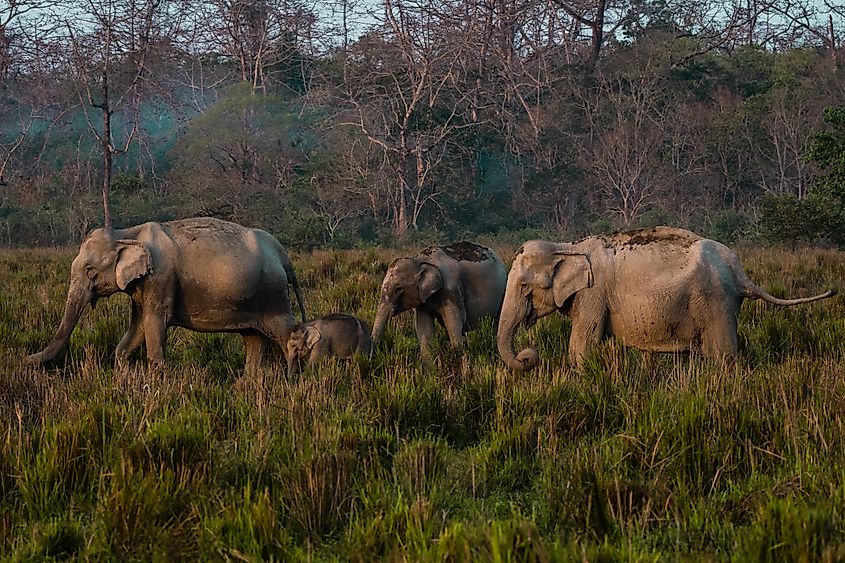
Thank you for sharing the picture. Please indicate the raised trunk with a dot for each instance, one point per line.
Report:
(513, 313)
(384, 311)
(77, 299)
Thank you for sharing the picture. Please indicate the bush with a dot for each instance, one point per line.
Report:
(787, 219)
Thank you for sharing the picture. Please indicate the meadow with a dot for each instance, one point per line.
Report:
(459, 459)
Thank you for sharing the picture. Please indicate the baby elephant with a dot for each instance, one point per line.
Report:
(337, 334)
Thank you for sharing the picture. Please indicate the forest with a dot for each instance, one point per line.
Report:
(351, 122)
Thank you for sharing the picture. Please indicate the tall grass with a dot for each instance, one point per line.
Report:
(635, 458)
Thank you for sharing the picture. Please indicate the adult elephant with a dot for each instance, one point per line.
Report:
(660, 289)
(203, 274)
(457, 285)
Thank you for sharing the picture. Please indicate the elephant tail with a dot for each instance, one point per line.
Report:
(295, 283)
(752, 291)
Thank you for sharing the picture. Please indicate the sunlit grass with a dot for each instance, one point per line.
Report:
(636, 458)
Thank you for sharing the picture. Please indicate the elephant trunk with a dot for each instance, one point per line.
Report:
(77, 298)
(385, 310)
(293, 364)
(514, 311)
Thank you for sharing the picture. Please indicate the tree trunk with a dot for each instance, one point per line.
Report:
(107, 168)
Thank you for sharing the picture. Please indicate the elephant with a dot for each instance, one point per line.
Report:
(457, 285)
(202, 274)
(660, 289)
(337, 334)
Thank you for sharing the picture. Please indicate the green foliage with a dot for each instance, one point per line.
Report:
(729, 226)
(787, 219)
(821, 216)
(635, 458)
(827, 149)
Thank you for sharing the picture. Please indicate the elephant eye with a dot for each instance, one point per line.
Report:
(90, 271)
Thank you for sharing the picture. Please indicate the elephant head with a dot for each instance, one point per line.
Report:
(543, 277)
(407, 284)
(104, 265)
(302, 339)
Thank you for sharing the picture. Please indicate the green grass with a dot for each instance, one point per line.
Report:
(637, 458)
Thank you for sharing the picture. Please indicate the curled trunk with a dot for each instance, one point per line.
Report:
(77, 299)
(383, 313)
(514, 313)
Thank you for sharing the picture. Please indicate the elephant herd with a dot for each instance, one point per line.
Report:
(660, 289)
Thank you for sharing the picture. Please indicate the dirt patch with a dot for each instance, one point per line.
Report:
(664, 235)
(462, 251)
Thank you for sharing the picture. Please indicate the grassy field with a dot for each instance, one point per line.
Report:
(641, 459)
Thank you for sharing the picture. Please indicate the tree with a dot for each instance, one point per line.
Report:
(627, 125)
(241, 156)
(267, 39)
(24, 33)
(827, 150)
(401, 91)
(112, 45)
(821, 215)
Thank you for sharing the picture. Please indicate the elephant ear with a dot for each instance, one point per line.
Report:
(429, 280)
(133, 261)
(572, 274)
(312, 336)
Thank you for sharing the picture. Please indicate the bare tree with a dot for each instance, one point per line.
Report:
(268, 39)
(406, 101)
(602, 18)
(626, 119)
(26, 37)
(112, 44)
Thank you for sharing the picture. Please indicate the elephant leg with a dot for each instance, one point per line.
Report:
(719, 340)
(454, 322)
(425, 330)
(132, 340)
(587, 332)
(253, 351)
(155, 336)
(314, 356)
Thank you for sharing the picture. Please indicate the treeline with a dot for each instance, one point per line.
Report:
(375, 121)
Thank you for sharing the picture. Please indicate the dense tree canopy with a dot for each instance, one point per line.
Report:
(367, 121)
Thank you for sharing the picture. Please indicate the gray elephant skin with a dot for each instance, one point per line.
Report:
(660, 289)
(338, 334)
(202, 274)
(456, 285)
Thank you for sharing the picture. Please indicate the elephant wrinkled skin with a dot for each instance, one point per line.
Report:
(337, 334)
(457, 285)
(660, 289)
(202, 274)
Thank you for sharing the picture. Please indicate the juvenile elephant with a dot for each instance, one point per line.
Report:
(203, 274)
(660, 289)
(337, 334)
(457, 285)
